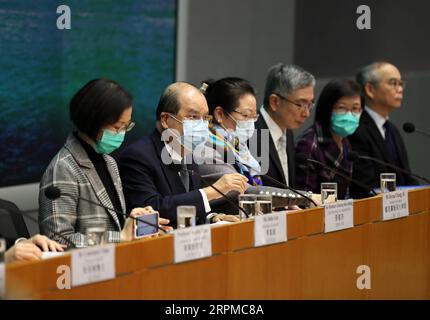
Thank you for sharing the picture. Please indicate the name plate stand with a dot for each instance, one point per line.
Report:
(395, 205)
(192, 243)
(338, 215)
(93, 264)
(270, 228)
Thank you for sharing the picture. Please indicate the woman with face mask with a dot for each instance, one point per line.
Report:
(337, 116)
(83, 169)
(233, 108)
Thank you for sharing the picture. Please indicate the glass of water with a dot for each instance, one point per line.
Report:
(328, 192)
(388, 182)
(96, 236)
(186, 216)
(248, 202)
(264, 204)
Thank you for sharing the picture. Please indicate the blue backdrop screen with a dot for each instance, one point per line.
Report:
(129, 41)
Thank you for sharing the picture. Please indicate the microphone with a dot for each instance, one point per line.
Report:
(354, 157)
(54, 193)
(179, 169)
(337, 172)
(409, 127)
(282, 185)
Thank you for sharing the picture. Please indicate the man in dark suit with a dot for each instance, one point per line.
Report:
(157, 170)
(376, 136)
(288, 101)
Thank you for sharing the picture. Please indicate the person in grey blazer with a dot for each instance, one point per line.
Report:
(101, 112)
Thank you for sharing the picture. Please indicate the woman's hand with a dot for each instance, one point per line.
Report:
(127, 233)
(46, 244)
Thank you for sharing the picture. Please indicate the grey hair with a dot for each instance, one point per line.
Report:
(285, 79)
(170, 98)
(369, 73)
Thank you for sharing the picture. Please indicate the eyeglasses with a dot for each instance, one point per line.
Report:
(396, 83)
(309, 106)
(125, 128)
(248, 116)
(192, 117)
(343, 110)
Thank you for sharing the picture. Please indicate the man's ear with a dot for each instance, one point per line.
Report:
(164, 120)
(273, 102)
(369, 90)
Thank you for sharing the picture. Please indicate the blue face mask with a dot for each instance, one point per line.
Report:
(344, 124)
(109, 142)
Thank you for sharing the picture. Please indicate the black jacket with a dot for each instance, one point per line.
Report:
(275, 168)
(148, 181)
(368, 141)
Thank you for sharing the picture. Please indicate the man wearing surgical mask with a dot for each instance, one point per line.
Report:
(337, 116)
(158, 170)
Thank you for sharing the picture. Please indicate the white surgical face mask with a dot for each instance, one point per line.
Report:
(196, 133)
(244, 129)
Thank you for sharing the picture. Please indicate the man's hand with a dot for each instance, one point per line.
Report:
(225, 184)
(163, 223)
(23, 251)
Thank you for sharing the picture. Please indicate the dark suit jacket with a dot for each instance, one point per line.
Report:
(275, 168)
(148, 181)
(368, 141)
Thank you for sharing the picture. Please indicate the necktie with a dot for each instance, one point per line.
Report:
(390, 143)
(282, 152)
(185, 177)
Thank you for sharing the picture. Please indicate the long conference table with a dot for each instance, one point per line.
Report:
(310, 265)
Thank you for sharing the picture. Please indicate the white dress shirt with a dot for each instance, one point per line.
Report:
(177, 158)
(279, 138)
(379, 120)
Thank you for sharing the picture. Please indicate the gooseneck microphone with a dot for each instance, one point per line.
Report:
(409, 127)
(338, 173)
(280, 184)
(54, 193)
(354, 157)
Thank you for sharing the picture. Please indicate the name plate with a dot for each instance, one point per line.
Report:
(270, 228)
(192, 243)
(93, 264)
(395, 205)
(338, 215)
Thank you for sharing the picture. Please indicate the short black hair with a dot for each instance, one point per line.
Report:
(330, 94)
(98, 103)
(226, 93)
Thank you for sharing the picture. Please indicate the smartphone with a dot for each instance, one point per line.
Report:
(142, 229)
